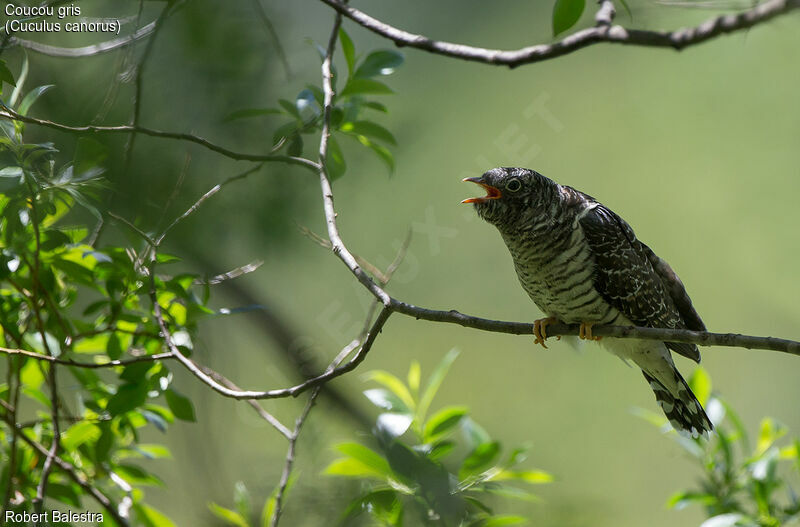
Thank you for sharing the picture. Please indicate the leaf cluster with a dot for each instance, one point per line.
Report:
(438, 469)
(742, 485)
(68, 300)
(351, 109)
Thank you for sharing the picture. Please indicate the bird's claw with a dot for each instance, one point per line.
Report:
(540, 330)
(585, 332)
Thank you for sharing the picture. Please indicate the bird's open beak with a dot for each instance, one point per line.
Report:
(491, 192)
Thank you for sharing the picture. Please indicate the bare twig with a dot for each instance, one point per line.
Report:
(8, 113)
(603, 33)
(87, 365)
(265, 415)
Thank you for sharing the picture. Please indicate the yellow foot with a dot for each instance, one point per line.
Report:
(540, 330)
(585, 331)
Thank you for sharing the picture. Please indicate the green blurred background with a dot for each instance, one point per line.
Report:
(697, 150)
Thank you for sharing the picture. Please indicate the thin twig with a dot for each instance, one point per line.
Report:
(87, 365)
(8, 113)
(265, 415)
(612, 34)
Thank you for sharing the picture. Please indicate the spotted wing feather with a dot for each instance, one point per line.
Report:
(639, 284)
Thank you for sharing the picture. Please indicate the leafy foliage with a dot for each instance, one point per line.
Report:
(69, 300)
(741, 485)
(348, 112)
(420, 468)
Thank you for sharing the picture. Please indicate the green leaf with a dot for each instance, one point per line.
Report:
(335, 160)
(5, 75)
(227, 515)
(290, 108)
(434, 382)
(352, 468)
(137, 476)
(443, 421)
(390, 426)
(359, 86)
(386, 400)
(394, 384)
(700, 383)
(348, 49)
(474, 432)
(367, 456)
(151, 517)
(241, 497)
(382, 62)
(369, 129)
(479, 459)
(23, 76)
(269, 504)
(89, 155)
(528, 476)
(566, 14)
(681, 500)
(769, 433)
(64, 493)
(501, 521)
(247, 113)
(441, 449)
(181, 406)
(384, 156)
(79, 434)
(31, 97)
(375, 106)
(414, 373)
(307, 107)
(127, 398)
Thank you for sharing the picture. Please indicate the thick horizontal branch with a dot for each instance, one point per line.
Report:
(603, 33)
(701, 338)
(7, 113)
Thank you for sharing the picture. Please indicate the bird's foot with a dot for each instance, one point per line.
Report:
(540, 330)
(585, 331)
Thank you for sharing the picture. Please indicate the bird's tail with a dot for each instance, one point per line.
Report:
(684, 411)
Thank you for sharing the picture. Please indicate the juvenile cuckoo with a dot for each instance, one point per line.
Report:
(582, 264)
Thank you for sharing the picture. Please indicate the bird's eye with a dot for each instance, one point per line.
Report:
(513, 185)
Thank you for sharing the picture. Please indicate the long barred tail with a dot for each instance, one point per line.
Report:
(684, 411)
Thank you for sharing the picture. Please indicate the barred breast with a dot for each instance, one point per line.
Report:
(555, 266)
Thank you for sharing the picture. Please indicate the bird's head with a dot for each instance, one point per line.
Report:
(511, 194)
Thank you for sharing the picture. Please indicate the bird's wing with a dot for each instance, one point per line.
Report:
(631, 278)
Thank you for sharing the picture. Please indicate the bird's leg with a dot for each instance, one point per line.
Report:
(540, 330)
(585, 331)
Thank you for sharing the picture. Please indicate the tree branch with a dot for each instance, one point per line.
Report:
(701, 338)
(8, 113)
(88, 365)
(603, 33)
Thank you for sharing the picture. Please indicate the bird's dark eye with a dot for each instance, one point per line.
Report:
(514, 185)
